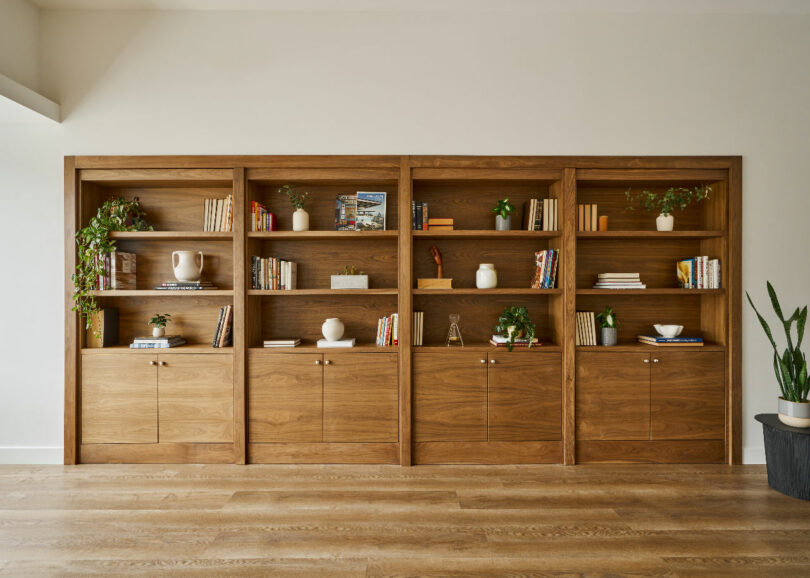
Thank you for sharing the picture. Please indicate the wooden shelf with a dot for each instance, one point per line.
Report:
(313, 348)
(171, 235)
(636, 346)
(330, 235)
(649, 234)
(659, 291)
(486, 234)
(188, 348)
(340, 292)
(499, 291)
(160, 293)
(486, 347)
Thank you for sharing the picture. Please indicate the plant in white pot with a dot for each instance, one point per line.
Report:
(665, 203)
(158, 323)
(350, 279)
(503, 215)
(791, 366)
(609, 326)
(300, 218)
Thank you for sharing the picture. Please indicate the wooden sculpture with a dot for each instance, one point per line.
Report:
(439, 282)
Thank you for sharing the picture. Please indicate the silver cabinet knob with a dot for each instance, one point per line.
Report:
(655, 361)
(153, 362)
(162, 363)
(646, 361)
(492, 361)
(317, 362)
(327, 362)
(483, 361)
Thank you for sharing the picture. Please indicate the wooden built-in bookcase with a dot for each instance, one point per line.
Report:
(557, 403)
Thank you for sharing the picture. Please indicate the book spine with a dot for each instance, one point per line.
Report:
(216, 330)
(424, 216)
(419, 217)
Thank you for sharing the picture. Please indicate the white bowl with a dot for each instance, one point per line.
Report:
(668, 330)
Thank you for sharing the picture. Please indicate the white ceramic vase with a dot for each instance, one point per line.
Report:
(332, 329)
(300, 220)
(486, 277)
(158, 331)
(664, 222)
(794, 414)
(186, 269)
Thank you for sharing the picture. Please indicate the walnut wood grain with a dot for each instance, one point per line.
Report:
(323, 453)
(239, 316)
(73, 333)
(653, 452)
(488, 452)
(405, 309)
(156, 453)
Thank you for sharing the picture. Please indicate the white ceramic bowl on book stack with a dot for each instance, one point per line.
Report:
(668, 331)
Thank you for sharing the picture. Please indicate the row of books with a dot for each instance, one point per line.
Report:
(388, 330)
(659, 341)
(218, 214)
(540, 215)
(260, 218)
(699, 273)
(619, 281)
(545, 276)
(223, 335)
(272, 273)
(586, 328)
(288, 342)
(418, 328)
(588, 218)
(501, 341)
(186, 286)
(363, 211)
(118, 270)
(157, 342)
(419, 216)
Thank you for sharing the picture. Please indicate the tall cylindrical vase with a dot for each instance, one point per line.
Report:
(502, 224)
(610, 336)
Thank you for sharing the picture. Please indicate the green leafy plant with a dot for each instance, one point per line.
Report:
(159, 319)
(791, 367)
(607, 319)
(665, 203)
(297, 199)
(503, 208)
(517, 319)
(350, 270)
(93, 241)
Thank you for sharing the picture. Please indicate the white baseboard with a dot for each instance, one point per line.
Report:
(31, 455)
(754, 455)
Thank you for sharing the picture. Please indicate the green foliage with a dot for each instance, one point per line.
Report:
(790, 367)
(503, 208)
(665, 203)
(350, 270)
(159, 319)
(94, 240)
(297, 199)
(517, 317)
(607, 318)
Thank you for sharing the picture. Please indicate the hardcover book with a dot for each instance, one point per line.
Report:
(370, 211)
(345, 212)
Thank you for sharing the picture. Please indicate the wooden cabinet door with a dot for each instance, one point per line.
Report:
(449, 396)
(525, 396)
(688, 395)
(195, 398)
(613, 396)
(360, 397)
(285, 397)
(119, 399)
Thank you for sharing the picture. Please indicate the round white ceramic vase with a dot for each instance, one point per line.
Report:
(158, 331)
(332, 329)
(486, 277)
(185, 267)
(664, 222)
(300, 220)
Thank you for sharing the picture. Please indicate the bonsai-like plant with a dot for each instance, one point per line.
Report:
(512, 322)
(665, 203)
(791, 367)
(159, 319)
(297, 199)
(94, 241)
(607, 319)
(347, 270)
(503, 208)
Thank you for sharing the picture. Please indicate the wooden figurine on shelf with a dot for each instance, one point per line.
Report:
(437, 258)
(439, 282)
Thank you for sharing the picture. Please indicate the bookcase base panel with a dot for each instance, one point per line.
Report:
(167, 453)
(651, 452)
(488, 452)
(323, 453)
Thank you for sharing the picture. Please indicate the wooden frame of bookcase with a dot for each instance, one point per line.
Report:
(406, 170)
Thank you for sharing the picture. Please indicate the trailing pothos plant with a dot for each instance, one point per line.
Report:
(665, 203)
(513, 322)
(94, 241)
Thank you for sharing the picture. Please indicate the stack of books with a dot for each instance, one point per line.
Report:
(260, 218)
(418, 327)
(118, 270)
(501, 341)
(441, 224)
(218, 214)
(699, 273)
(186, 286)
(659, 341)
(540, 215)
(586, 328)
(619, 281)
(388, 331)
(339, 344)
(157, 342)
(363, 211)
(545, 276)
(419, 216)
(291, 342)
(223, 335)
(588, 218)
(272, 273)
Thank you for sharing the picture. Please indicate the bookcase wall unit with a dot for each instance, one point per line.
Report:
(557, 403)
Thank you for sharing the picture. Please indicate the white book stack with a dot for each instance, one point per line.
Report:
(339, 344)
(619, 281)
(292, 342)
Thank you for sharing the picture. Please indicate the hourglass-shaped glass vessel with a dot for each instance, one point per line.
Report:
(454, 334)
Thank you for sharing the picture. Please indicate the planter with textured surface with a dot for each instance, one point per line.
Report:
(787, 454)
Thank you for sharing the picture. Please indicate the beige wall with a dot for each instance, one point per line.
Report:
(19, 42)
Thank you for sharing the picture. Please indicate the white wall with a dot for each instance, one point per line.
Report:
(518, 82)
(19, 42)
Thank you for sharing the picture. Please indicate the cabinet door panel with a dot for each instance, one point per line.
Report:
(360, 398)
(613, 396)
(195, 398)
(119, 399)
(525, 396)
(688, 395)
(449, 397)
(285, 397)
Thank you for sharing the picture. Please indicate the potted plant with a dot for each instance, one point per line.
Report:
(158, 322)
(350, 279)
(609, 326)
(515, 324)
(300, 220)
(503, 215)
(790, 367)
(665, 203)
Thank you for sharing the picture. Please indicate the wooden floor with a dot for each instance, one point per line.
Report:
(387, 520)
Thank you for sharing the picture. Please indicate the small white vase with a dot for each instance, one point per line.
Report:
(332, 329)
(185, 268)
(300, 220)
(158, 331)
(664, 222)
(486, 277)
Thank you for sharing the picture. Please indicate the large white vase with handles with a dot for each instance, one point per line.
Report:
(185, 266)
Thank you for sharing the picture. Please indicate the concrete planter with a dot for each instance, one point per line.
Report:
(349, 281)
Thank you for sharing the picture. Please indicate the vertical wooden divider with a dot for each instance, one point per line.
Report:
(405, 309)
(734, 320)
(72, 342)
(568, 194)
(240, 314)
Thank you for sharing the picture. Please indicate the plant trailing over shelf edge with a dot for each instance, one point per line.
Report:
(503, 208)
(297, 199)
(160, 319)
(665, 203)
(517, 317)
(607, 319)
(93, 241)
(791, 367)
(350, 270)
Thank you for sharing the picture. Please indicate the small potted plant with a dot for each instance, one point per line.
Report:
(503, 215)
(515, 325)
(350, 278)
(158, 323)
(790, 366)
(665, 203)
(609, 326)
(300, 220)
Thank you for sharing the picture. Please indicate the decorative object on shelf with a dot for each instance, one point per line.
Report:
(223, 335)
(103, 331)
(660, 341)
(273, 274)
(619, 281)
(486, 277)
(586, 328)
(300, 217)
(545, 276)
(665, 203)
(791, 366)
(668, 331)
(503, 215)
(162, 342)
(388, 331)
(515, 324)
(439, 282)
(260, 218)
(603, 223)
(371, 211)
(332, 329)
(609, 327)
(787, 454)
(185, 268)
(94, 240)
(350, 279)
(454, 333)
(418, 328)
(218, 215)
(699, 273)
(345, 212)
(158, 322)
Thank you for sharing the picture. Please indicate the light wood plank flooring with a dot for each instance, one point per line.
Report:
(392, 521)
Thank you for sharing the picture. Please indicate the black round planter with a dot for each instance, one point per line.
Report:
(787, 454)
